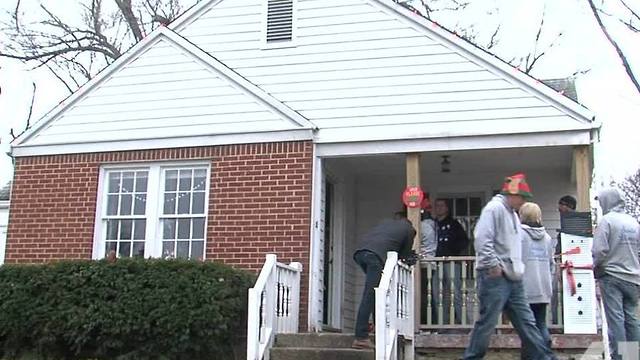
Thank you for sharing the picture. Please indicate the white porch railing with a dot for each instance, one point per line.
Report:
(394, 310)
(274, 303)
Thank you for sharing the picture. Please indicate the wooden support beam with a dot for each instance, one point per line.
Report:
(583, 176)
(413, 179)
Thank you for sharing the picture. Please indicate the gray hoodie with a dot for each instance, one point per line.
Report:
(537, 255)
(497, 239)
(617, 240)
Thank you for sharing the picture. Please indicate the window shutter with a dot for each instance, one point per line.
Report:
(279, 20)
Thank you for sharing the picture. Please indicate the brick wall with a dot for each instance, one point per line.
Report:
(260, 202)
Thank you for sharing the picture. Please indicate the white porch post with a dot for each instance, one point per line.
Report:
(413, 214)
(314, 315)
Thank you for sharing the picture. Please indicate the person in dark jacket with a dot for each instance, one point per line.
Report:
(452, 240)
(566, 204)
(389, 235)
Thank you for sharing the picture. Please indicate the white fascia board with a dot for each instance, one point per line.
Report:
(232, 76)
(192, 14)
(199, 55)
(164, 143)
(4, 204)
(454, 143)
(492, 62)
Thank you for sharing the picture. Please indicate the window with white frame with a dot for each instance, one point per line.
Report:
(153, 211)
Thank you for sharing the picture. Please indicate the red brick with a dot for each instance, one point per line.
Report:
(258, 204)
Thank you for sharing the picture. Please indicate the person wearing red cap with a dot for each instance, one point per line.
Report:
(499, 269)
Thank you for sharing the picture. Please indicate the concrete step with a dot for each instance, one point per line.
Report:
(318, 353)
(319, 340)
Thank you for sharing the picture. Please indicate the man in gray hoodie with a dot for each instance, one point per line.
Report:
(499, 273)
(616, 266)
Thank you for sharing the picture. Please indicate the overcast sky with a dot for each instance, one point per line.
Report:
(603, 88)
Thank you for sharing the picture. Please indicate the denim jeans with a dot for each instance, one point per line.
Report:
(497, 294)
(372, 266)
(540, 314)
(620, 300)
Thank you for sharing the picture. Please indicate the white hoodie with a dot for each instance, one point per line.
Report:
(537, 255)
(616, 241)
(497, 239)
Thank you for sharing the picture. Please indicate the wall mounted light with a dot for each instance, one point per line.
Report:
(445, 165)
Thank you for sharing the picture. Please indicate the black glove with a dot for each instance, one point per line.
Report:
(411, 259)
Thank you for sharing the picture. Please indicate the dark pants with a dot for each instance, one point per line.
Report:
(497, 294)
(540, 314)
(620, 300)
(372, 266)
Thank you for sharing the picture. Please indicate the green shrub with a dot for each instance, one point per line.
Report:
(130, 309)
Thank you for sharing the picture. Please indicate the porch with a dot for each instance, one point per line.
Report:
(358, 191)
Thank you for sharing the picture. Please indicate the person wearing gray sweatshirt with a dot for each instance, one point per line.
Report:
(616, 266)
(499, 270)
(537, 255)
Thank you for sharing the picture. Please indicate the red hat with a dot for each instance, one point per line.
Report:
(516, 185)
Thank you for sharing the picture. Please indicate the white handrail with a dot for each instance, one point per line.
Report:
(394, 309)
(273, 306)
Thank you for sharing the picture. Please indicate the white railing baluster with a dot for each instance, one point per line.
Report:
(273, 307)
(394, 310)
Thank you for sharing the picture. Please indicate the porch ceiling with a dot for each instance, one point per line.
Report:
(462, 162)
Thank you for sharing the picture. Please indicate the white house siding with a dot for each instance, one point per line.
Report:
(163, 92)
(4, 222)
(360, 73)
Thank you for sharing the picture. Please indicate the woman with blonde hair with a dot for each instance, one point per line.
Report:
(537, 255)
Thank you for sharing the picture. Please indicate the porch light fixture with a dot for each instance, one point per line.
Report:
(445, 165)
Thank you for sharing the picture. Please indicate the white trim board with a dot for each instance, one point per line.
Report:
(453, 143)
(164, 143)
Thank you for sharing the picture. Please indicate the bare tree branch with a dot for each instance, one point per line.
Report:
(130, 18)
(621, 55)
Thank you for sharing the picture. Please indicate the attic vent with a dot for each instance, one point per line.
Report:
(279, 20)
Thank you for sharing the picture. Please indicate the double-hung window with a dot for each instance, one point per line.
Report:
(157, 210)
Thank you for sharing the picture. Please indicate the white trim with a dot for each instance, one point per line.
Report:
(163, 143)
(4, 205)
(153, 241)
(162, 33)
(192, 14)
(491, 62)
(453, 143)
(315, 324)
(338, 237)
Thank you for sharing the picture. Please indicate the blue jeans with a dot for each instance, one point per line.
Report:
(497, 294)
(540, 314)
(372, 266)
(620, 300)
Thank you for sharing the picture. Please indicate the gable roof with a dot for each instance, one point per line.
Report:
(369, 70)
(488, 59)
(86, 118)
(449, 38)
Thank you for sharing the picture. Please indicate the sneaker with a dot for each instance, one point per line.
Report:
(362, 344)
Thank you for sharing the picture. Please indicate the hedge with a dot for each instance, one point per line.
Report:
(129, 309)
